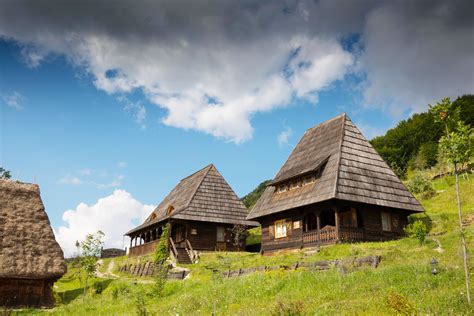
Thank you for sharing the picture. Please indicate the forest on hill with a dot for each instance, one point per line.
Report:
(413, 143)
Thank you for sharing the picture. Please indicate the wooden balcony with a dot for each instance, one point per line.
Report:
(328, 234)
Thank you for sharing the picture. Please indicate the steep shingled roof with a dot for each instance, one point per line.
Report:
(354, 172)
(28, 248)
(202, 196)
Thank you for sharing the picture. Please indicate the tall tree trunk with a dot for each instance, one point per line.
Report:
(463, 241)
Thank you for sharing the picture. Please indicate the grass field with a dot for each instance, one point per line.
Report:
(403, 283)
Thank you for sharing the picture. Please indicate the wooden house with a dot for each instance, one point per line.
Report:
(334, 187)
(202, 209)
(30, 258)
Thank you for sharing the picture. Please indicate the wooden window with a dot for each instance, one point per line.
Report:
(282, 188)
(280, 229)
(296, 225)
(194, 231)
(220, 234)
(386, 222)
(170, 210)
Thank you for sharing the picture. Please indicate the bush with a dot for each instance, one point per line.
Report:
(420, 184)
(417, 230)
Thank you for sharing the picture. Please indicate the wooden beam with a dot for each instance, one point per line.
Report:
(336, 215)
(318, 225)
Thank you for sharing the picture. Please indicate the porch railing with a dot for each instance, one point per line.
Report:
(140, 250)
(329, 234)
(351, 234)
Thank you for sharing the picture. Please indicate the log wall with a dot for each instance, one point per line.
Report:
(369, 219)
(26, 293)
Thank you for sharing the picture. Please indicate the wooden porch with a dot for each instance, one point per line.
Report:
(331, 235)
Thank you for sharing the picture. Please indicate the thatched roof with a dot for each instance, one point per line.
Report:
(202, 196)
(28, 248)
(351, 170)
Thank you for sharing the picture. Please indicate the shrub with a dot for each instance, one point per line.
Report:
(417, 230)
(420, 184)
(161, 252)
(400, 304)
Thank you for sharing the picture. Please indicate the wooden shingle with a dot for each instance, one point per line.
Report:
(203, 196)
(354, 171)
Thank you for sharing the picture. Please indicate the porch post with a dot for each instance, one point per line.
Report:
(318, 225)
(336, 214)
(131, 241)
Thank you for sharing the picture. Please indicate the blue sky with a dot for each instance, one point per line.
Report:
(107, 124)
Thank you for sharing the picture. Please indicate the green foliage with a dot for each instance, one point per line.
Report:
(426, 157)
(417, 135)
(457, 145)
(417, 230)
(400, 304)
(90, 252)
(4, 174)
(161, 271)
(250, 199)
(161, 252)
(140, 306)
(420, 184)
(254, 236)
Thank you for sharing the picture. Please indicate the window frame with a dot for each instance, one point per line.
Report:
(283, 231)
(386, 219)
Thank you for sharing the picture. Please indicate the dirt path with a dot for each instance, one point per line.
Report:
(108, 272)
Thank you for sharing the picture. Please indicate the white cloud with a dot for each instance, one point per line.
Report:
(114, 215)
(85, 172)
(213, 66)
(122, 164)
(113, 184)
(284, 137)
(68, 179)
(14, 100)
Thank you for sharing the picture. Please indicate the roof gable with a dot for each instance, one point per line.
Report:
(203, 196)
(354, 171)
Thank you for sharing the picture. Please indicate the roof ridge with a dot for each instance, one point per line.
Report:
(327, 121)
(339, 151)
(192, 174)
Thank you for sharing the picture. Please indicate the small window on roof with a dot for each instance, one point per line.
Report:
(152, 217)
(170, 210)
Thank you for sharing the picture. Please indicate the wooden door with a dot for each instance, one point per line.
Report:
(220, 238)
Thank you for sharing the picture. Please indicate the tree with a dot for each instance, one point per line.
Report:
(250, 199)
(239, 234)
(90, 252)
(4, 174)
(456, 146)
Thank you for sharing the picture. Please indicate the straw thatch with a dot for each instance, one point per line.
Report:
(28, 249)
(351, 170)
(203, 196)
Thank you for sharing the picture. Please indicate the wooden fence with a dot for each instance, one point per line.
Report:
(150, 269)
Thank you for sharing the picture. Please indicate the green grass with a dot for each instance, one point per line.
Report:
(403, 280)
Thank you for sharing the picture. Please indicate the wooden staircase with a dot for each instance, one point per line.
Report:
(183, 255)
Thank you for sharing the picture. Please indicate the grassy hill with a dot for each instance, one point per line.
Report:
(403, 283)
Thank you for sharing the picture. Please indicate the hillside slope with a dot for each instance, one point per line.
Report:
(403, 283)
